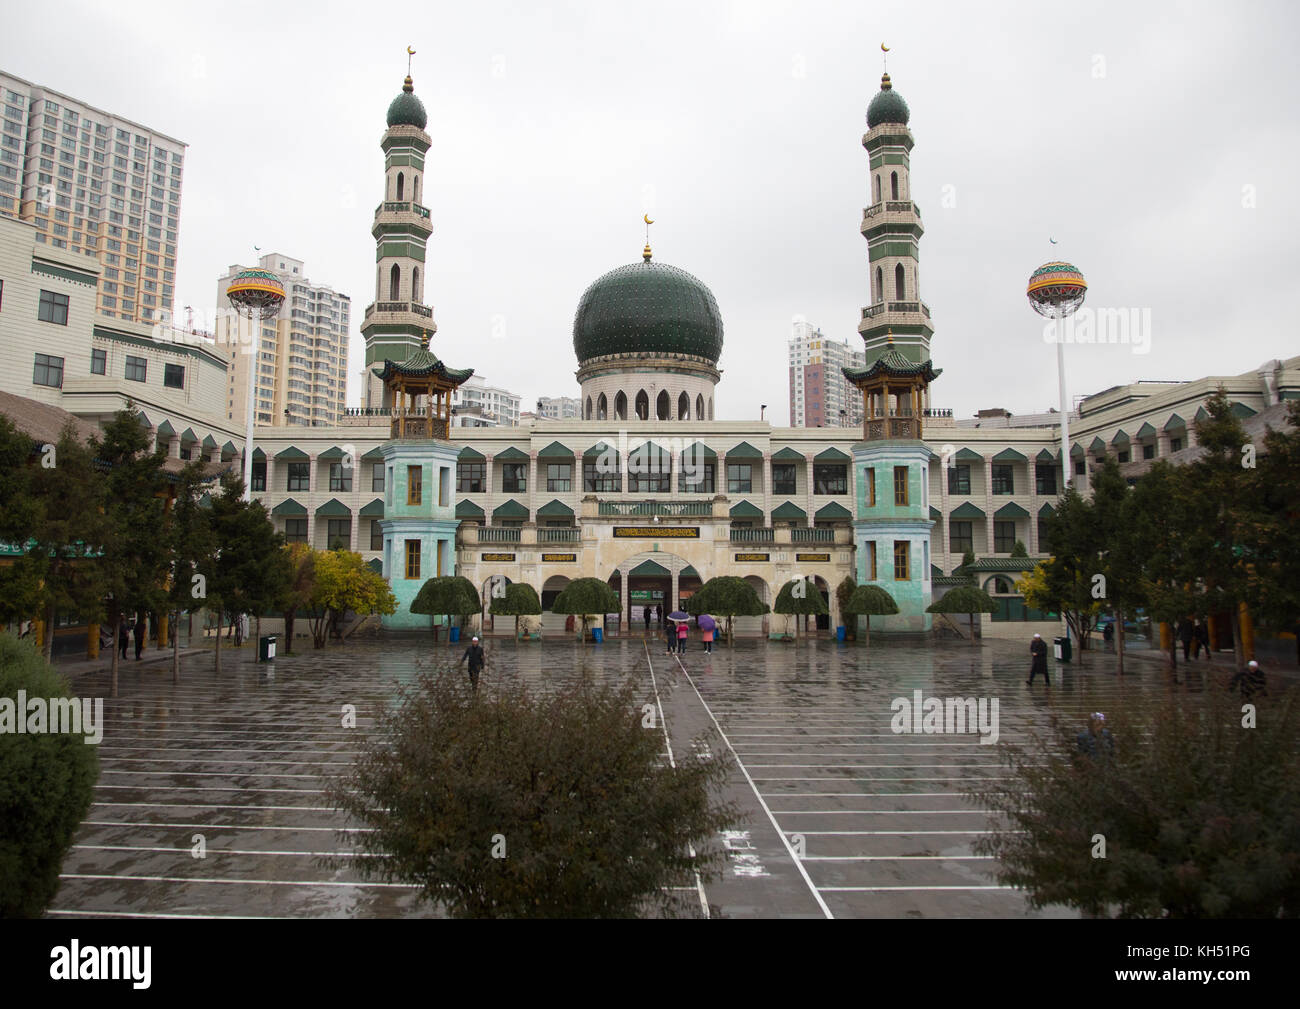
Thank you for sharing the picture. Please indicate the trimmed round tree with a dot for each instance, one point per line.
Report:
(869, 600)
(964, 599)
(800, 597)
(449, 596)
(585, 597)
(726, 596)
(520, 600)
(46, 781)
(842, 593)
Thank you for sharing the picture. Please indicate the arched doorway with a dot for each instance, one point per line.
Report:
(492, 585)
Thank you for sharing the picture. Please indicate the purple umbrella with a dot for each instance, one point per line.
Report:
(678, 615)
(706, 622)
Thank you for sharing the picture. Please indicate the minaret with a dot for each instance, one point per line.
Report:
(397, 320)
(892, 228)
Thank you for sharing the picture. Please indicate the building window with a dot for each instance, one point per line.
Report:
(650, 478)
(960, 536)
(259, 475)
(1042, 533)
(739, 478)
(959, 479)
(53, 308)
(559, 476)
(1045, 478)
(299, 476)
(597, 476)
(1124, 456)
(783, 480)
(338, 531)
(1175, 444)
(1080, 467)
(99, 362)
(869, 491)
(414, 494)
(174, 376)
(340, 477)
(1148, 451)
(1004, 537)
(830, 478)
(295, 530)
(470, 477)
(1004, 481)
(900, 485)
(376, 535)
(413, 555)
(871, 561)
(136, 368)
(902, 561)
(696, 477)
(48, 371)
(514, 477)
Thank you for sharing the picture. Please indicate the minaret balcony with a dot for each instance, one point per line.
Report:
(390, 207)
(395, 311)
(892, 313)
(394, 215)
(890, 217)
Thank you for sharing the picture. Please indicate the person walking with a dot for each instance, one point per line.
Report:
(139, 635)
(1096, 740)
(1108, 636)
(123, 637)
(1202, 636)
(1038, 649)
(1186, 632)
(670, 636)
(683, 632)
(707, 635)
(645, 615)
(475, 655)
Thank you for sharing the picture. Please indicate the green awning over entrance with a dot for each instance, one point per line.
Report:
(511, 509)
(834, 510)
(468, 454)
(468, 510)
(744, 451)
(555, 508)
(1009, 455)
(291, 453)
(787, 455)
(1011, 510)
(375, 510)
(745, 510)
(288, 507)
(788, 511)
(334, 508)
(831, 455)
(966, 510)
(555, 451)
(648, 569)
(511, 454)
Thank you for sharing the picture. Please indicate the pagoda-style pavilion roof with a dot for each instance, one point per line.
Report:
(423, 363)
(892, 364)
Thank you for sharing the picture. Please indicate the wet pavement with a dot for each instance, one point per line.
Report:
(843, 817)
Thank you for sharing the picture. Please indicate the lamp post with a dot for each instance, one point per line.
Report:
(1056, 290)
(256, 295)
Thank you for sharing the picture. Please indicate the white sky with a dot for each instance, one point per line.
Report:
(1125, 131)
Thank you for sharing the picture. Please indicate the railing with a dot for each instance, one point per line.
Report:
(418, 426)
(881, 307)
(893, 427)
(667, 509)
(494, 534)
(557, 535)
(753, 535)
(891, 206)
(812, 535)
(399, 208)
(399, 306)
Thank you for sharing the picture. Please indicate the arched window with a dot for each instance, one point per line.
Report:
(877, 188)
(880, 284)
(663, 406)
(642, 406)
(893, 185)
(394, 282)
(710, 408)
(699, 407)
(588, 413)
(415, 284)
(898, 282)
(683, 407)
(620, 406)
(602, 407)
(415, 188)
(401, 186)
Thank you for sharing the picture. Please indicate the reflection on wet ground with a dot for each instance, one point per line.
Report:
(238, 762)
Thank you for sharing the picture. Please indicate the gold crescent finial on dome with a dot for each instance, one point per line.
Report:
(645, 253)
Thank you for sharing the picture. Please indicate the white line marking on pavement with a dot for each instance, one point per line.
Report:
(239, 882)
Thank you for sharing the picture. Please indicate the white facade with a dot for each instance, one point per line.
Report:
(490, 405)
(818, 388)
(559, 407)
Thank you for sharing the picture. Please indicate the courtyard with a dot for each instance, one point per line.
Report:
(210, 801)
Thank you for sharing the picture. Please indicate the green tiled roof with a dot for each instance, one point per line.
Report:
(468, 510)
(333, 508)
(512, 454)
(831, 455)
(1120, 438)
(165, 429)
(511, 509)
(188, 436)
(259, 454)
(291, 453)
(745, 510)
(229, 448)
(209, 441)
(1009, 455)
(288, 507)
(887, 107)
(966, 510)
(834, 510)
(376, 509)
(1045, 456)
(556, 451)
(647, 308)
(1242, 410)
(968, 455)
(407, 110)
(648, 569)
(787, 455)
(1011, 510)
(935, 514)
(1175, 422)
(332, 453)
(744, 451)
(787, 511)
(698, 451)
(555, 508)
(1005, 564)
(1146, 431)
(600, 448)
(374, 455)
(468, 454)
(421, 364)
(1047, 509)
(1098, 447)
(375, 565)
(895, 365)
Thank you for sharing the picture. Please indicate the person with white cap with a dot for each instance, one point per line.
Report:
(1096, 739)
(1038, 649)
(475, 655)
(1249, 681)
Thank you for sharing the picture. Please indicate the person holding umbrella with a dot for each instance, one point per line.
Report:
(680, 624)
(707, 626)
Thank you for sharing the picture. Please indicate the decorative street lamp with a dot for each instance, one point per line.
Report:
(1056, 290)
(257, 295)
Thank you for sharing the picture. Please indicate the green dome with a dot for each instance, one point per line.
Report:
(887, 107)
(406, 109)
(647, 308)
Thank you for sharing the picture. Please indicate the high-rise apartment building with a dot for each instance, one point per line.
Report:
(478, 404)
(559, 407)
(818, 388)
(302, 355)
(96, 183)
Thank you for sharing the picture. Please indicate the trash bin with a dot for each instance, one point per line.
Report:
(841, 633)
(455, 635)
(266, 648)
(598, 634)
(1063, 649)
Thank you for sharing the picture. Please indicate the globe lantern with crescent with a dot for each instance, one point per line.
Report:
(1056, 290)
(256, 294)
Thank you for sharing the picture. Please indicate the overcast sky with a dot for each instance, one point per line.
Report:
(1157, 144)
